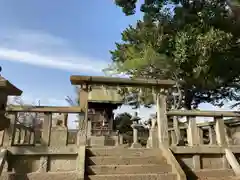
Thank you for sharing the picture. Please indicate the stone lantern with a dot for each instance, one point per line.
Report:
(6, 89)
(135, 119)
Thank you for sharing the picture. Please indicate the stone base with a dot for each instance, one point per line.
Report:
(103, 141)
(136, 145)
(152, 141)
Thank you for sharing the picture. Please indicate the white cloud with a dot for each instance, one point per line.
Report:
(43, 49)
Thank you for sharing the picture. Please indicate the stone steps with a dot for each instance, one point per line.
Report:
(40, 176)
(136, 152)
(124, 160)
(133, 177)
(127, 164)
(213, 174)
(128, 169)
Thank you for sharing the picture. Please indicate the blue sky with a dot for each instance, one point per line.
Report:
(43, 42)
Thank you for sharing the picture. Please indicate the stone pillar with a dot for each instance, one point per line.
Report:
(65, 119)
(28, 136)
(212, 136)
(135, 143)
(46, 129)
(9, 133)
(59, 136)
(196, 162)
(200, 135)
(220, 131)
(32, 137)
(162, 121)
(22, 135)
(153, 138)
(120, 139)
(176, 130)
(174, 138)
(84, 127)
(17, 136)
(192, 132)
(43, 164)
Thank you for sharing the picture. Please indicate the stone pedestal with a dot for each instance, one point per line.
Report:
(135, 143)
(58, 136)
(97, 140)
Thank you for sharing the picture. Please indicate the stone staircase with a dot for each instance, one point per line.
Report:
(212, 174)
(109, 163)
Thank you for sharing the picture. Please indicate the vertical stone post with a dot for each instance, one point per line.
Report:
(65, 119)
(58, 136)
(32, 137)
(84, 126)
(17, 136)
(220, 131)
(46, 130)
(200, 135)
(153, 141)
(176, 130)
(135, 120)
(22, 135)
(28, 136)
(212, 136)
(174, 138)
(162, 121)
(135, 143)
(9, 133)
(135, 134)
(192, 132)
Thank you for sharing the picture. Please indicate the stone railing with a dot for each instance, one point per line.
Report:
(214, 151)
(47, 135)
(217, 132)
(44, 150)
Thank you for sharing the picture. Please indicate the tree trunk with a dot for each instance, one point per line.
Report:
(188, 99)
(188, 95)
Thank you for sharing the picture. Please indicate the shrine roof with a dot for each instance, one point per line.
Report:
(9, 88)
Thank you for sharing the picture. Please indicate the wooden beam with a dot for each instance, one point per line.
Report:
(204, 113)
(45, 109)
(115, 81)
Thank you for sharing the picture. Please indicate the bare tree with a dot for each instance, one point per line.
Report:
(26, 118)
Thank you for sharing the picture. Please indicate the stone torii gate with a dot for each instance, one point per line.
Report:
(160, 88)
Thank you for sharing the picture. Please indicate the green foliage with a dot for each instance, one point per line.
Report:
(123, 123)
(197, 46)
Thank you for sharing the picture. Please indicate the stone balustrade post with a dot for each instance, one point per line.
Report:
(162, 120)
(200, 135)
(192, 132)
(46, 130)
(212, 136)
(135, 143)
(9, 133)
(220, 131)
